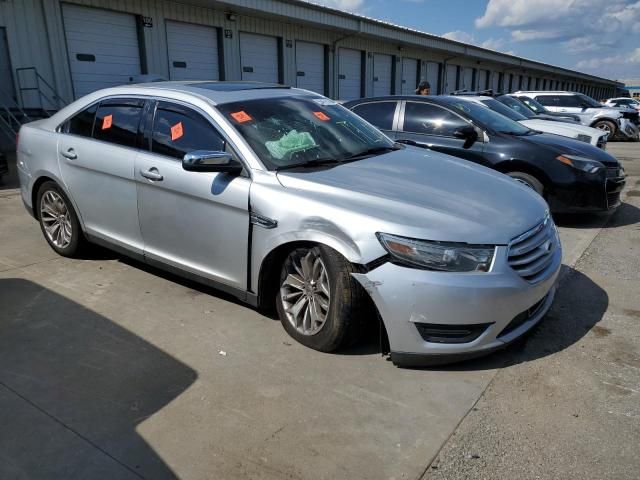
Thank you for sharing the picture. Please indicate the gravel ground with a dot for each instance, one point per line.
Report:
(567, 404)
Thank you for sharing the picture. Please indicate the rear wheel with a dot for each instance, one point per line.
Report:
(606, 126)
(529, 181)
(58, 221)
(319, 303)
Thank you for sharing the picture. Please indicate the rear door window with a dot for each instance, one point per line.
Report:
(431, 120)
(568, 101)
(379, 114)
(549, 100)
(178, 130)
(117, 121)
(81, 123)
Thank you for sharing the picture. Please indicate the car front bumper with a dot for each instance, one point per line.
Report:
(587, 192)
(499, 305)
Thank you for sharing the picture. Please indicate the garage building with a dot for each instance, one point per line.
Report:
(53, 51)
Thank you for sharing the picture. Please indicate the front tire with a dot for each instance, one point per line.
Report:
(58, 220)
(319, 303)
(528, 181)
(607, 126)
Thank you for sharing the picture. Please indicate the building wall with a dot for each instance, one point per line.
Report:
(36, 38)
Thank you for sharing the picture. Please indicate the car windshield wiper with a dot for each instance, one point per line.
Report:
(413, 143)
(318, 162)
(370, 152)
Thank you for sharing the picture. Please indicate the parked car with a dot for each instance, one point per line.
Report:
(4, 167)
(284, 198)
(571, 175)
(516, 111)
(541, 110)
(623, 102)
(591, 113)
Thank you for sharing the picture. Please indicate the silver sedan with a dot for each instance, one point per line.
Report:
(291, 202)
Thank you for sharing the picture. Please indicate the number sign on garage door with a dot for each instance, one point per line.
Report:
(259, 58)
(102, 46)
(349, 74)
(192, 51)
(310, 68)
(409, 76)
(382, 72)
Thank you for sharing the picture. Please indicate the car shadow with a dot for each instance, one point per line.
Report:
(625, 214)
(579, 305)
(10, 180)
(74, 387)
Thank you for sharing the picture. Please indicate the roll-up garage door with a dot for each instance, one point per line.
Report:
(433, 76)
(102, 46)
(382, 70)
(495, 82)
(482, 80)
(409, 76)
(466, 82)
(192, 51)
(259, 57)
(450, 80)
(310, 67)
(349, 74)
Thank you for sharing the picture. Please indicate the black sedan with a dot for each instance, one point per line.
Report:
(572, 176)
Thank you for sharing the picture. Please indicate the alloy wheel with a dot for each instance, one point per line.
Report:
(604, 127)
(305, 292)
(56, 219)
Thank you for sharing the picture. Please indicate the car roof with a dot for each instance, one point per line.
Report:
(442, 99)
(219, 92)
(545, 92)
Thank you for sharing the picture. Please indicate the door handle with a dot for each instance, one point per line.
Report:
(152, 174)
(70, 154)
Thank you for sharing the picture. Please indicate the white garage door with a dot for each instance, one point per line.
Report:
(382, 70)
(466, 82)
(495, 82)
(433, 76)
(259, 57)
(450, 81)
(192, 51)
(482, 80)
(102, 46)
(349, 74)
(310, 66)
(409, 76)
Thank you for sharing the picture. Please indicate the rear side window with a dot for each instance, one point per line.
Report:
(82, 123)
(178, 130)
(548, 100)
(568, 101)
(117, 121)
(379, 114)
(431, 120)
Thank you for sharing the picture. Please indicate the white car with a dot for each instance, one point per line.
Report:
(623, 102)
(597, 138)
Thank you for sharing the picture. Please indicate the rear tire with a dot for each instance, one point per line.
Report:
(529, 181)
(324, 322)
(607, 126)
(58, 220)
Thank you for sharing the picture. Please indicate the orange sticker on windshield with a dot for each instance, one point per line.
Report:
(106, 122)
(241, 116)
(321, 116)
(176, 131)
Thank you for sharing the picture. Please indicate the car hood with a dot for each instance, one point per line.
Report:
(562, 145)
(424, 194)
(559, 128)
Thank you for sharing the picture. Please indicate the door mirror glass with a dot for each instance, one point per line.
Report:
(468, 134)
(210, 161)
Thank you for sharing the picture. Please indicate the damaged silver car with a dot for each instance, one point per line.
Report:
(287, 200)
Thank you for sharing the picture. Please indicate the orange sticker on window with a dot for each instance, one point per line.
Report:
(241, 116)
(321, 116)
(107, 121)
(176, 131)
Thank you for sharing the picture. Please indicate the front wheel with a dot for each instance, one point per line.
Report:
(319, 303)
(606, 126)
(528, 181)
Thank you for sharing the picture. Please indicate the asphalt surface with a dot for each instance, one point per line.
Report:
(110, 369)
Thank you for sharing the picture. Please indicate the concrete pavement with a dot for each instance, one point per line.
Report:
(110, 369)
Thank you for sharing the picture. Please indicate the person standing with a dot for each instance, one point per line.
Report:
(423, 88)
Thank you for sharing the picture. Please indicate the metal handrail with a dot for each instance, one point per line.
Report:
(57, 100)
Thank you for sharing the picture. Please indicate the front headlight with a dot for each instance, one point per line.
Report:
(440, 256)
(581, 163)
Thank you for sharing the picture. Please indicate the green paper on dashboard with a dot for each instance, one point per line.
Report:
(291, 142)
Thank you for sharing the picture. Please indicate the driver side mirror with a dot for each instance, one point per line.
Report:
(467, 133)
(210, 161)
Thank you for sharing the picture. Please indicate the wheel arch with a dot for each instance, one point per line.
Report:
(525, 167)
(39, 181)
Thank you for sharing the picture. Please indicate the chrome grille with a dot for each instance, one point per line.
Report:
(531, 254)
